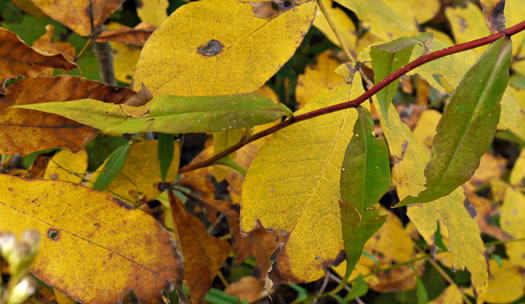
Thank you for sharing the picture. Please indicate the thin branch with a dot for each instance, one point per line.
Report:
(354, 103)
(104, 55)
(331, 22)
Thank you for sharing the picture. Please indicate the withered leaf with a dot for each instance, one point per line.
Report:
(25, 131)
(135, 36)
(46, 44)
(18, 59)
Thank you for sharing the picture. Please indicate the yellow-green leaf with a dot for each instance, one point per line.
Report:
(94, 248)
(293, 185)
(153, 11)
(345, 26)
(170, 114)
(189, 54)
(409, 157)
(467, 24)
(67, 166)
(468, 124)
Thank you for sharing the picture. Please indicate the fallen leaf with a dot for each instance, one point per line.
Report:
(512, 218)
(248, 288)
(203, 254)
(18, 59)
(153, 11)
(505, 283)
(317, 77)
(306, 206)
(120, 33)
(451, 295)
(79, 15)
(67, 166)
(47, 130)
(170, 113)
(206, 59)
(97, 232)
(140, 176)
(46, 44)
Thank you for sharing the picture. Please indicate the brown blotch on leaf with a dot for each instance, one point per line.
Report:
(471, 210)
(212, 48)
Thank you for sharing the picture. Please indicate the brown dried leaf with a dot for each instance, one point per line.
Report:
(25, 131)
(75, 14)
(203, 254)
(135, 36)
(18, 59)
(46, 44)
(247, 288)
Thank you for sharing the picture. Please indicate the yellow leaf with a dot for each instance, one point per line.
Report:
(67, 166)
(426, 127)
(317, 77)
(440, 36)
(125, 60)
(344, 24)
(94, 248)
(451, 295)
(62, 298)
(293, 185)
(387, 19)
(512, 219)
(514, 12)
(465, 243)
(189, 54)
(153, 11)
(140, 175)
(467, 24)
(505, 284)
(422, 10)
(518, 172)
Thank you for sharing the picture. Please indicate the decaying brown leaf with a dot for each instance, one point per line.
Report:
(203, 254)
(135, 36)
(247, 288)
(18, 59)
(25, 131)
(76, 14)
(46, 44)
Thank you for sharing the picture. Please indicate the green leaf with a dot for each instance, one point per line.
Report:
(359, 289)
(438, 239)
(230, 163)
(421, 292)
(365, 177)
(112, 168)
(170, 114)
(468, 124)
(390, 57)
(166, 148)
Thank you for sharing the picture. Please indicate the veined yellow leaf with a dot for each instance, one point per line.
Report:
(219, 48)
(67, 166)
(293, 185)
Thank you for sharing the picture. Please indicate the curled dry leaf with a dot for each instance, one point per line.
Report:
(203, 254)
(18, 59)
(46, 44)
(76, 14)
(135, 36)
(25, 131)
(248, 288)
(94, 247)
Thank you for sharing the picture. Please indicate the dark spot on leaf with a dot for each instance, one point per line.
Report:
(212, 48)
(96, 224)
(398, 159)
(471, 210)
(316, 257)
(53, 234)
(287, 3)
(53, 176)
(380, 255)
(462, 24)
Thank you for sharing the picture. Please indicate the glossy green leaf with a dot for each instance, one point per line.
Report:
(165, 151)
(112, 168)
(390, 57)
(468, 124)
(170, 114)
(365, 177)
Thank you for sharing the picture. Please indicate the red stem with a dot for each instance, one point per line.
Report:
(354, 103)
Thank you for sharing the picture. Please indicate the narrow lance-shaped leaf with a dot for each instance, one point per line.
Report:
(171, 114)
(365, 177)
(112, 168)
(468, 124)
(166, 148)
(390, 57)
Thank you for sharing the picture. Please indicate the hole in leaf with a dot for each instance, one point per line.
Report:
(212, 48)
(53, 234)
